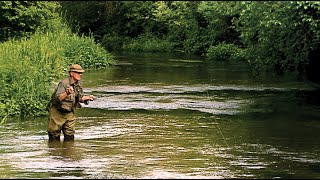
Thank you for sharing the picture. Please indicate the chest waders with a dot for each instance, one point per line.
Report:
(61, 115)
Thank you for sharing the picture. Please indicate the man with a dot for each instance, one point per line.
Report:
(67, 97)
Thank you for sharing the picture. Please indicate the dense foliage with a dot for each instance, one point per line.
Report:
(32, 61)
(280, 36)
(274, 36)
(22, 18)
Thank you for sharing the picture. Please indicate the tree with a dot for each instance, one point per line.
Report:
(22, 18)
(279, 36)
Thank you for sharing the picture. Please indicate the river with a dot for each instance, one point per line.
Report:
(160, 115)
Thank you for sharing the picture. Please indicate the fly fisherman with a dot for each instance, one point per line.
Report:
(66, 98)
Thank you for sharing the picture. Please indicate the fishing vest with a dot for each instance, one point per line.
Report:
(72, 101)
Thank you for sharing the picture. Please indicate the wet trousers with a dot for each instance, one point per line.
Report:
(61, 121)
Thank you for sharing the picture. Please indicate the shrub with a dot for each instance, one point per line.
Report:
(84, 51)
(225, 52)
(148, 43)
(113, 42)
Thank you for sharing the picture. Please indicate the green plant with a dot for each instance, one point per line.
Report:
(148, 43)
(22, 18)
(83, 50)
(225, 52)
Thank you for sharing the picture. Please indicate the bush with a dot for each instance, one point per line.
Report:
(113, 42)
(225, 52)
(148, 43)
(84, 51)
(28, 66)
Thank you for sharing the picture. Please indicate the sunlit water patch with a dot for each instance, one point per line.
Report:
(203, 98)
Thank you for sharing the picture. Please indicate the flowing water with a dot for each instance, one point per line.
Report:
(175, 116)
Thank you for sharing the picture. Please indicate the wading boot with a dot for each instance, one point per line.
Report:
(68, 137)
(53, 138)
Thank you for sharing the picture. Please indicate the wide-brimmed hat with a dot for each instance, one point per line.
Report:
(76, 68)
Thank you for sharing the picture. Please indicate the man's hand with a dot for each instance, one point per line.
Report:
(91, 97)
(88, 98)
(69, 90)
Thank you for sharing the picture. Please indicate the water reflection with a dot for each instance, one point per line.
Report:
(63, 149)
(64, 158)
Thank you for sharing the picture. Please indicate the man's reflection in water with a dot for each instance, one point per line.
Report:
(65, 158)
(64, 149)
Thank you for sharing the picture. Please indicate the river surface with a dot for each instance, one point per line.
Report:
(175, 116)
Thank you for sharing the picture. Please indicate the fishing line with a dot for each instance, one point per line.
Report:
(247, 170)
(215, 120)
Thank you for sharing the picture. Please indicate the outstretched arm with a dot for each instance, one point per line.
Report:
(87, 98)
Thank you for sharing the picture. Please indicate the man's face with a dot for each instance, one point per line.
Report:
(76, 75)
